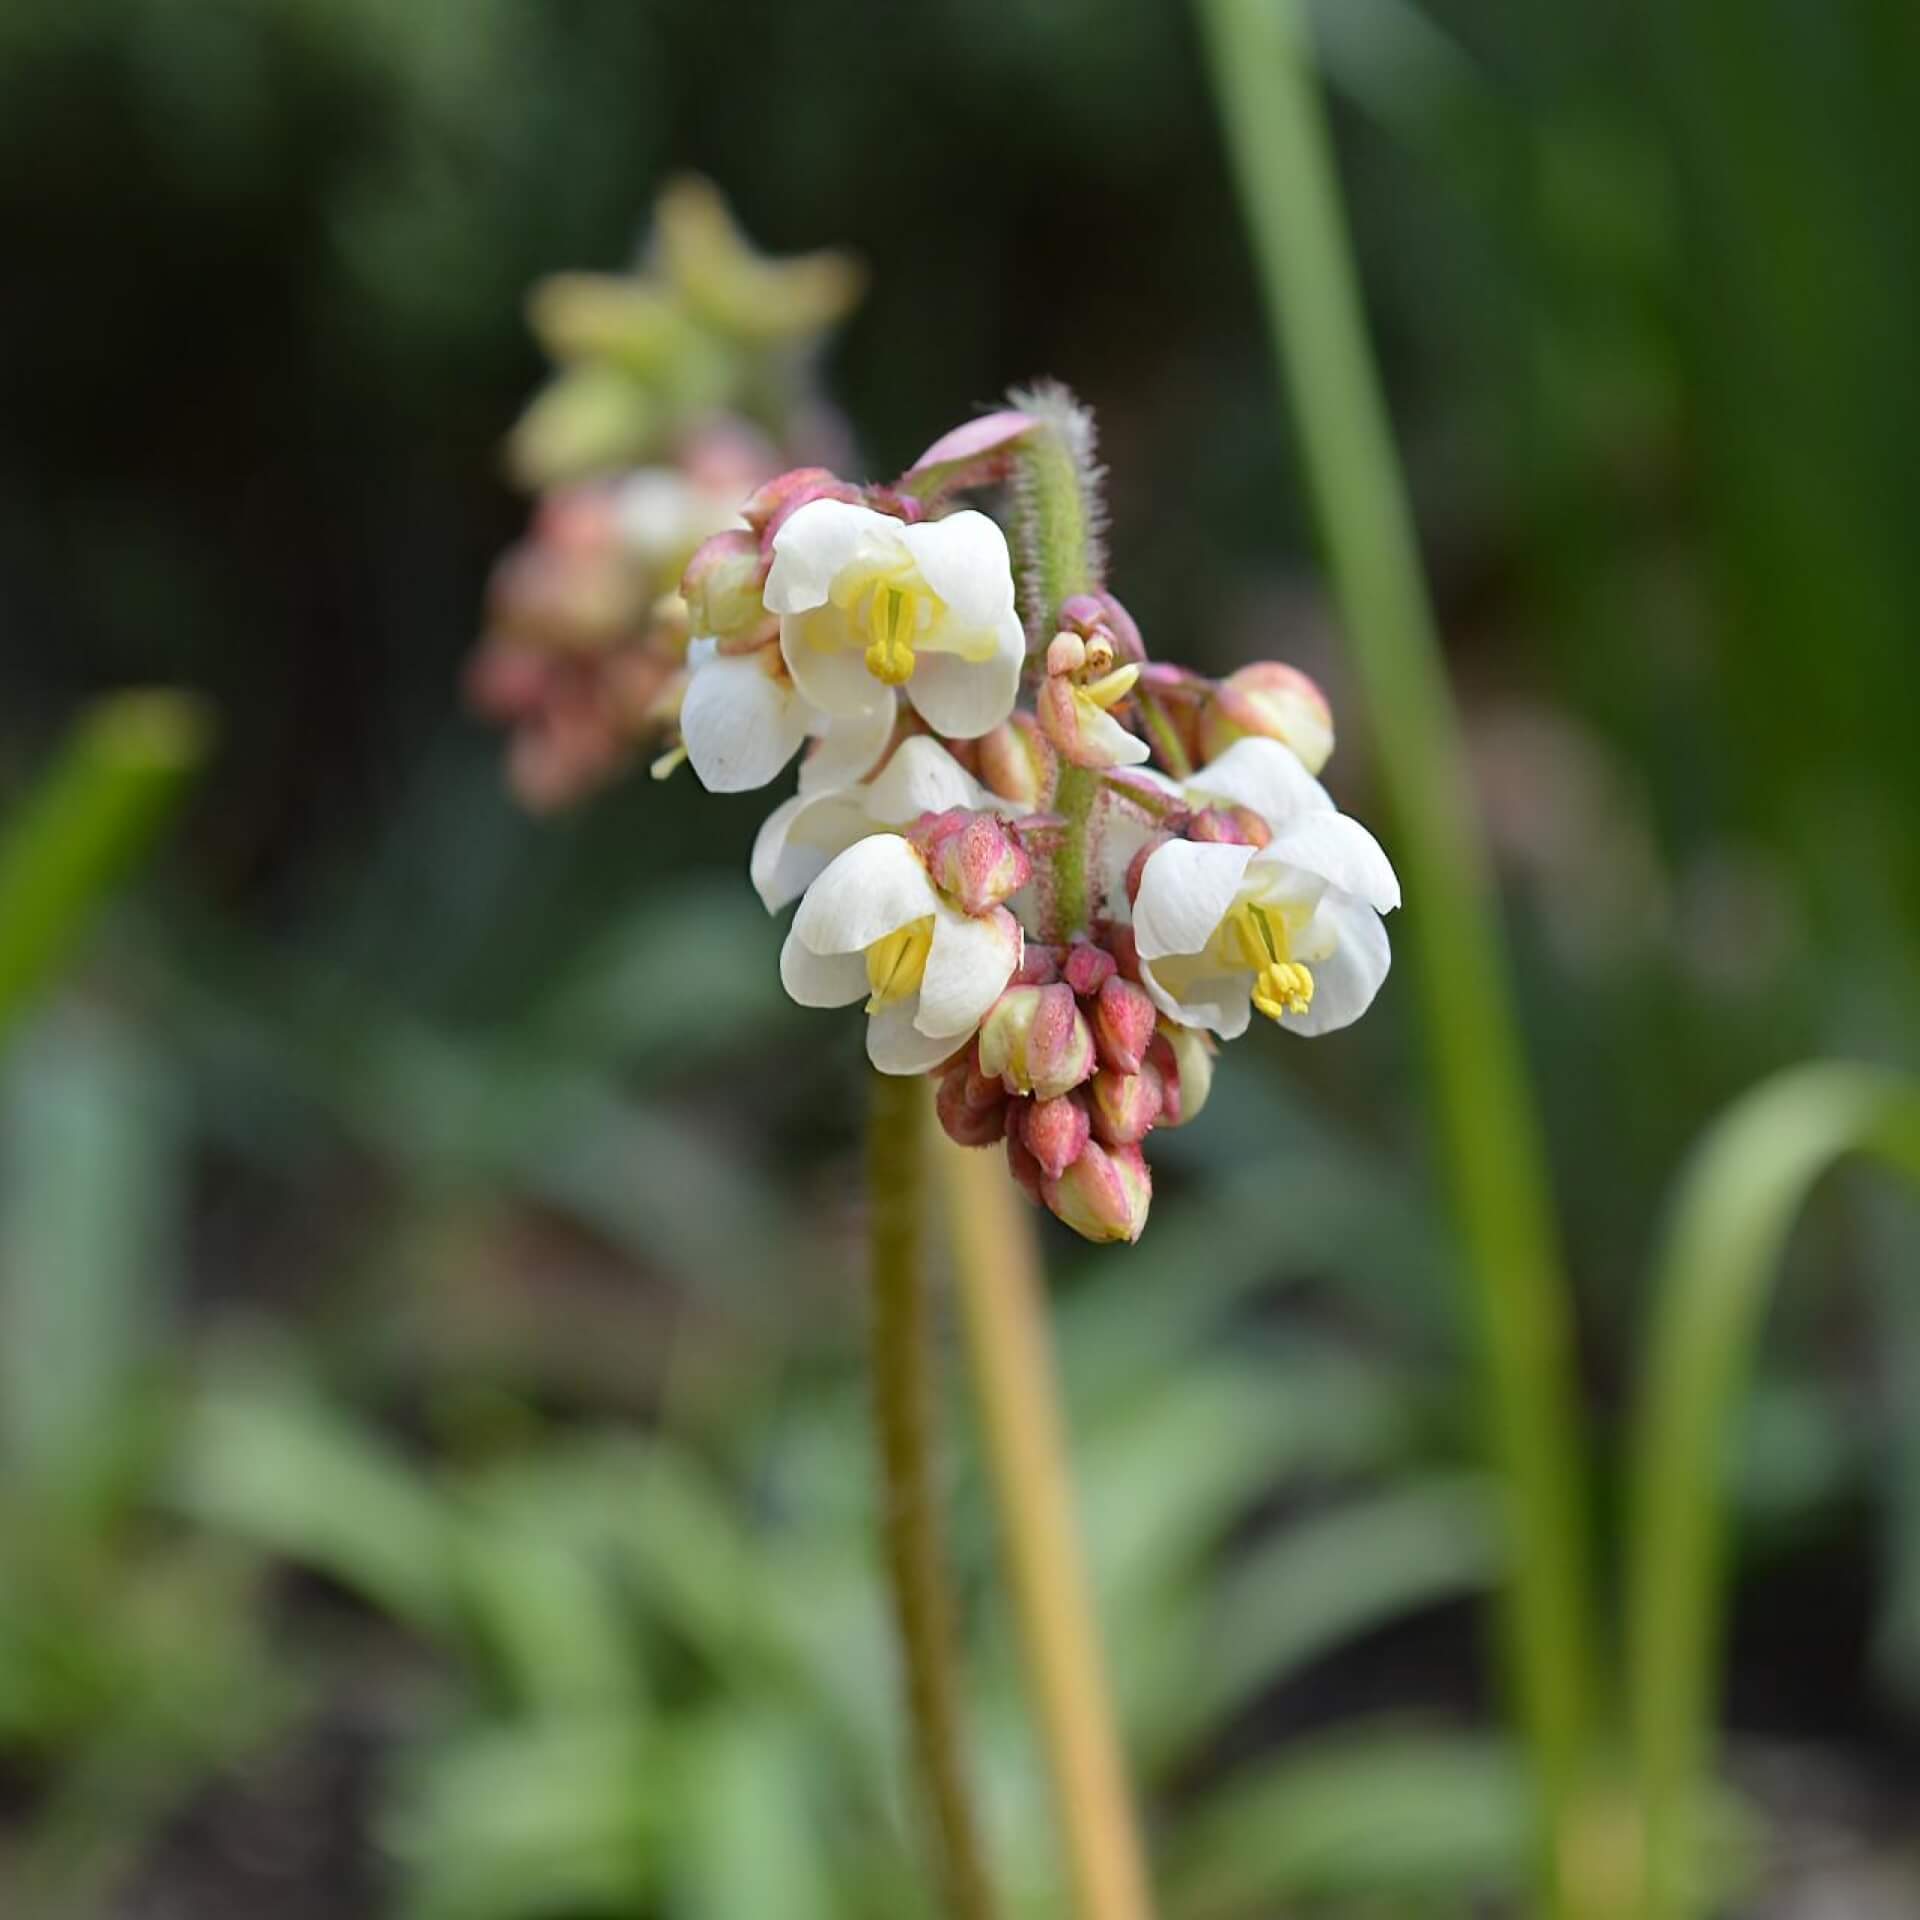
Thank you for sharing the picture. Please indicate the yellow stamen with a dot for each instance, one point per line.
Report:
(668, 763)
(1256, 937)
(897, 962)
(891, 606)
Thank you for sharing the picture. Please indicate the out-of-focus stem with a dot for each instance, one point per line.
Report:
(910, 1530)
(1003, 1305)
(74, 836)
(1278, 139)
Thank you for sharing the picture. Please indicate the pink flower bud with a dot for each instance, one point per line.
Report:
(1100, 615)
(974, 857)
(1088, 968)
(722, 586)
(1023, 1166)
(1039, 965)
(1123, 1022)
(787, 493)
(1104, 1195)
(1037, 1040)
(1126, 1105)
(1183, 1057)
(1054, 1131)
(1016, 763)
(973, 1110)
(1275, 702)
(1229, 826)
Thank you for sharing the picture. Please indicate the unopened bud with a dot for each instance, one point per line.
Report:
(1054, 1131)
(1038, 1040)
(1104, 1195)
(1123, 1022)
(1088, 968)
(1126, 1106)
(972, 1109)
(1024, 1167)
(722, 587)
(1016, 763)
(976, 858)
(1183, 1057)
(1275, 702)
(787, 493)
(1229, 826)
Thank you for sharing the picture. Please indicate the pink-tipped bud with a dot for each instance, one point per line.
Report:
(973, 455)
(722, 586)
(974, 857)
(1039, 965)
(1183, 1058)
(1054, 1131)
(1016, 763)
(1135, 868)
(1104, 1195)
(1037, 1040)
(1024, 1167)
(972, 1109)
(1123, 1022)
(787, 493)
(1088, 968)
(1272, 701)
(1126, 1106)
(1229, 826)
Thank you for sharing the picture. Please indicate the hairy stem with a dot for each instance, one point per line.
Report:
(1277, 135)
(1002, 1296)
(916, 1567)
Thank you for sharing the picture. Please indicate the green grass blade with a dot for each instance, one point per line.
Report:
(95, 811)
(1736, 1205)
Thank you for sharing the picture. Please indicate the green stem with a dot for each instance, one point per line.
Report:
(903, 1411)
(117, 780)
(1073, 800)
(1278, 137)
(1736, 1206)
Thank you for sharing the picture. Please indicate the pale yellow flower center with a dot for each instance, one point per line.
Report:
(891, 608)
(1256, 936)
(897, 962)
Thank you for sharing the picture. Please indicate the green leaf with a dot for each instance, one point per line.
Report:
(1421, 1819)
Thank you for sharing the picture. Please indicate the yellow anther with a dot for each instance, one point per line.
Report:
(897, 962)
(1283, 986)
(668, 763)
(1110, 689)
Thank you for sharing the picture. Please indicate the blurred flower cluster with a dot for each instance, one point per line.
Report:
(1052, 870)
(677, 390)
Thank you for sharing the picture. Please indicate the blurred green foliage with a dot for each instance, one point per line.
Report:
(401, 1388)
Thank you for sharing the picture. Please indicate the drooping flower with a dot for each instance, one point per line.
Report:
(743, 719)
(868, 604)
(1290, 928)
(873, 925)
(802, 835)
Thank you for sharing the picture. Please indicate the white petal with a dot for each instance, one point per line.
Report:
(1186, 888)
(967, 970)
(816, 542)
(822, 980)
(923, 777)
(1187, 988)
(846, 746)
(1345, 980)
(741, 723)
(876, 887)
(1116, 747)
(966, 698)
(1264, 776)
(896, 1045)
(1339, 850)
(799, 839)
(828, 662)
(964, 559)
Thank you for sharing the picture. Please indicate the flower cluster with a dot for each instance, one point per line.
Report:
(1051, 871)
(677, 391)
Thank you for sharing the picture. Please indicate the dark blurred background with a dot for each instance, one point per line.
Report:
(406, 1182)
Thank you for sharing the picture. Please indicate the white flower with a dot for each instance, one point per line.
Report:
(868, 603)
(802, 835)
(874, 926)
(742, 719)
(663, 515)
(1291, 929)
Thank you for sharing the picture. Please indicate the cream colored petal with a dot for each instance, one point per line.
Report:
(822, 980)
(968, 968)
(874, 888)
(1191, 989)
(965, 698)
(819, 541)
(1264, 777)
(828, 662)
(1186, 888)
(741, 722)
(896, 1045)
